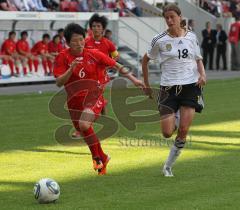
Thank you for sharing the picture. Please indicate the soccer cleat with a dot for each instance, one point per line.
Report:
(167, 171)
(103, 171)
(76, 135)
(97, 164)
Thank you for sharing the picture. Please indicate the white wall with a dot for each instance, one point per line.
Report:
(145, 32)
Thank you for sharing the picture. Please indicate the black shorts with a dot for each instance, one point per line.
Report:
(171, 98)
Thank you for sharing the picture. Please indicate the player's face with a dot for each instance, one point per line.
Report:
(13, 36)
(25, 36)
(172, 19)
(97, 29)
(57, 40)
(77, 43)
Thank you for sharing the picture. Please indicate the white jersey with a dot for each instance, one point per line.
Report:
(177, 57)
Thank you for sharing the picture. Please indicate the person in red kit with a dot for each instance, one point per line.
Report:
(54, 48)
(24, 52)
(40, 49)
(81, 67)
(9, 49)
(97, 40)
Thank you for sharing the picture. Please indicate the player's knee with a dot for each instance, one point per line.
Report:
(83, 126)
(167, 134)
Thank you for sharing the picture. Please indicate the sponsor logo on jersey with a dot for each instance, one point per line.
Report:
(180, 42)
(168, 47)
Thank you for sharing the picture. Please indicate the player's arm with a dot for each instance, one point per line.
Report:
(147, 90)
(129, 75)
(62, 79)
(202, 75)
(201, 70)
(114, 55)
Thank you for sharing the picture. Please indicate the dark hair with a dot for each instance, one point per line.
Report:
(45, 36)
(56, 36)
(176, 9)
(11, 33)
(60, 30)
(190, 21)
(24, 33)
(71, 29)
(99, 19)
(171, 7)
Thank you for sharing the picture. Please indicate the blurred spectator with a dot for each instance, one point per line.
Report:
(191, 24)
(69, 6)
(131, 6)
(108, 34)
(120, 6)
(208, 45)
(40, 49)
(83, 6)
(221, 38)
(50, 4)
(62, 38)
(24, 5)
(234, 39)
(39, 5)
(6, 5)
(9, 49)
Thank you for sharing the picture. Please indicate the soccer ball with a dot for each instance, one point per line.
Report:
(46, 191)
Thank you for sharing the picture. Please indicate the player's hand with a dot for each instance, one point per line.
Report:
(202, 80)
(148, 91)
(74, 64)
(139, 83)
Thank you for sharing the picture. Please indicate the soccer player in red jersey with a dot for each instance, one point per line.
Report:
(78, 64)
(97, 40)
(41, 49)
(9, 49)
(54, 48)
(24, 52)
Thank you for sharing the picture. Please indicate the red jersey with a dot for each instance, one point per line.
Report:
(91, 63)
(39, 48)
(23, 46)
(54, 48)
(8, 47)
(234, 33)
(104, 45)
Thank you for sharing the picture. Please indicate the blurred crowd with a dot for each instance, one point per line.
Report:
(215, 40)
(230, 8)
(124, 7)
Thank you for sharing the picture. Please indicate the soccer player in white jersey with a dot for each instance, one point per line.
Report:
(183, 76)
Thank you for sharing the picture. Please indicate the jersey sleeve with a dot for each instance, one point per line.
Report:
(153, 49)
(60, 65)
(197, 50)
(104, 59)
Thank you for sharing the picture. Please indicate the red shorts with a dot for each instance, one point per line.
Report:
(78, 104)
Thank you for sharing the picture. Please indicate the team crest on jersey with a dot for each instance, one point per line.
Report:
(168, 47)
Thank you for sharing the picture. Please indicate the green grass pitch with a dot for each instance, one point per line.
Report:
(207, 175)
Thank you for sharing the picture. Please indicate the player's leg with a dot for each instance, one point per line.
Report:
(23, 61)
(186, 117)
(44, 64)
(168, 107)
(86, 129)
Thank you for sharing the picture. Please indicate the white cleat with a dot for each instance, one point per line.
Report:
(167, 171)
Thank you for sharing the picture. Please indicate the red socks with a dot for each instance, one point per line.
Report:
(93, 143)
